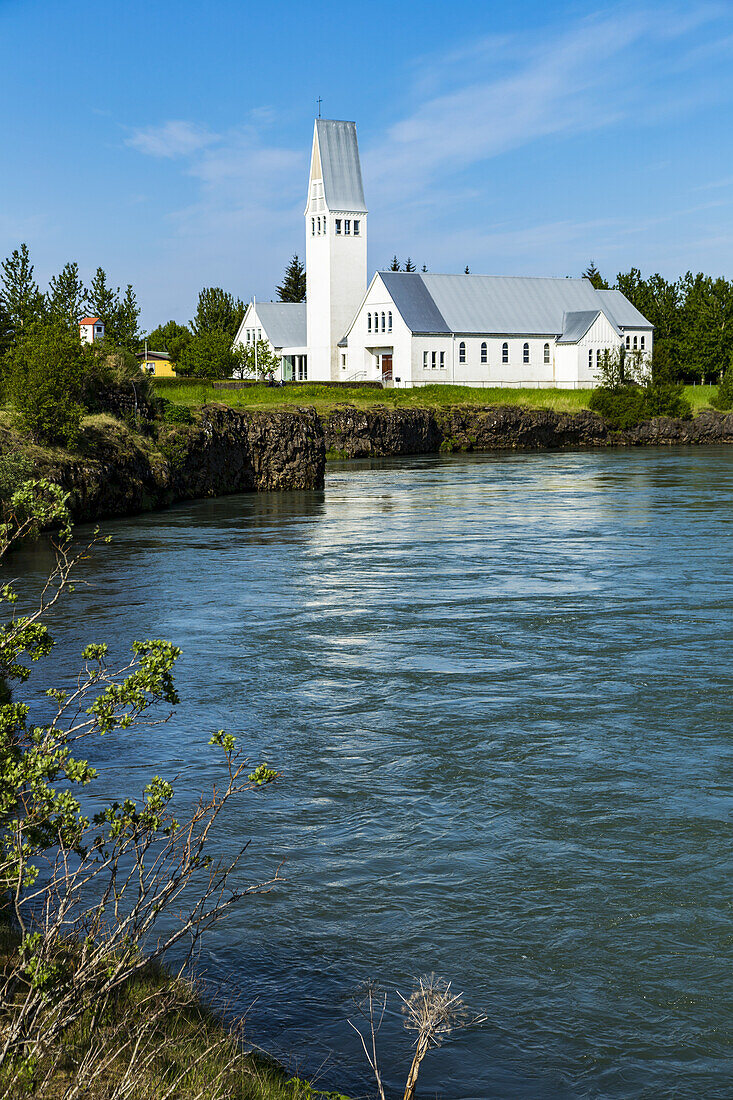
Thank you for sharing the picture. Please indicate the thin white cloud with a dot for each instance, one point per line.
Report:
(176, 138)
(585, 79)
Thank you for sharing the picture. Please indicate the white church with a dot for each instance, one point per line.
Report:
(412, 329)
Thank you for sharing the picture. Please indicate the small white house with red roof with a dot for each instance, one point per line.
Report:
(91, 329)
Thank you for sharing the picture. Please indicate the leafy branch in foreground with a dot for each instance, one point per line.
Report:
(85, 894)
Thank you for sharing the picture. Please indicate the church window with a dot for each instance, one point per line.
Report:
(634, 343)
(525, 353)
(505, 353)
(389, 322)
(547, 353)
(347, 226)
(442, 360)
(434, 360)
(382, 322)
(424, 360)
(462, 352)
(313, 227)
(590, 358)
(628, 341)
(484, 352)
(356, 228)
(641, 343)
(369, 322)
(598, 358)
(338, 226)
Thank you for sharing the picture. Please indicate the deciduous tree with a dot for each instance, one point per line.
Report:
(208, 355)
(45, 379)
(217, 311)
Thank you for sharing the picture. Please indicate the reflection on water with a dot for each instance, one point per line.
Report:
(499, 690)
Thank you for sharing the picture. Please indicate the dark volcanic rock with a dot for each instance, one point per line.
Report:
(223, 451)
(352, 433)
(379, 431)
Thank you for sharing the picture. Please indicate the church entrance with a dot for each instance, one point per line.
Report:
(387, 368)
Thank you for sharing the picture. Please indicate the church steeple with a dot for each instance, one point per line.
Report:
(335, 226)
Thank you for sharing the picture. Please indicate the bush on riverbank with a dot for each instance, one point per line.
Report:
(86, 1007)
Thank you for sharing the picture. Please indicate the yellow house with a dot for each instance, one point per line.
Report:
(157, 363)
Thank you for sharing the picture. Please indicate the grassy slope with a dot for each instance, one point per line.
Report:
(325, 398)
(184, 1033)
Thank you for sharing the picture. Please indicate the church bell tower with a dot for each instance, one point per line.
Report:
(335, 244)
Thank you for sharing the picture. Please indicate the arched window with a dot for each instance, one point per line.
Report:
(389, 321)
(641, 343)
(484, 352)
(525, 353)
(628, 341)
(382, 322)
(547, 354)
(505, 353)
(590, 358)
(462, 352)
(634, 343)
(313, 227)
(369, 322)
(598, 358)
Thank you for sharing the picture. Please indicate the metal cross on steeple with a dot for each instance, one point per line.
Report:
(318, 101)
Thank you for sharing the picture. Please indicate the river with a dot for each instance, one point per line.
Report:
(498, 689)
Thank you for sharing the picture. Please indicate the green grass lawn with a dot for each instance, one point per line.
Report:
(325, 398)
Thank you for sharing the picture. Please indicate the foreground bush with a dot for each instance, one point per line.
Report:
(114, 383)
(44, 380)
(85, 896)
(628, 406)
(723, 399)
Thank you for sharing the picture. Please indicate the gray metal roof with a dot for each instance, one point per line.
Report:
(575, 325)
(413, 301)
(284, 323)
(619, 309)
(339, 152)
(496, 304)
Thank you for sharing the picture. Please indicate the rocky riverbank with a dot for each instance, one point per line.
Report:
(379, 432)
(115, 472)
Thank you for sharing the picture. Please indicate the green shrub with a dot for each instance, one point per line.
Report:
(176, 414)
(723, 399)
(621, 408)
(624, 407)
(114, 383)
(45, 374)
(15, 468)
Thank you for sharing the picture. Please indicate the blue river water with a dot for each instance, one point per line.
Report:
(498, 689)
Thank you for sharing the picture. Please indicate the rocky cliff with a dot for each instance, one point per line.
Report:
(116, 472)
(378, 431)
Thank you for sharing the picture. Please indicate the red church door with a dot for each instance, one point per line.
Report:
(386, 368)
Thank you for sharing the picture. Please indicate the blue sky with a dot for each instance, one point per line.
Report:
(169, 142)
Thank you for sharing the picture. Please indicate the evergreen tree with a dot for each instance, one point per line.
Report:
(21, 299)
(66, 297)
(395, 265)
(126, 328)
(594, 276)
(119, 315)
(409, 265)
(103, 301)
(293, 284)
(217, 311)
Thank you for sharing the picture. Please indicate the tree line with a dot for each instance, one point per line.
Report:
(692, 317)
